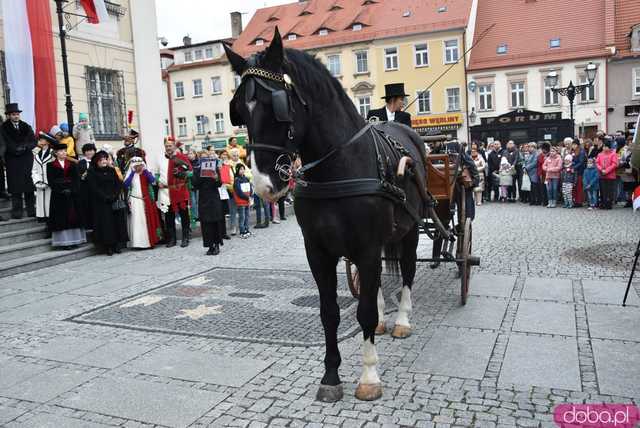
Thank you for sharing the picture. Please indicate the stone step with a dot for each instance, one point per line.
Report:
(5, 203)
(23, 223)
(25, 249)
(23, 235)
(46, 259)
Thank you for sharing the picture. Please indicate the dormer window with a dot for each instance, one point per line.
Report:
(323, 32)
(272, 19)
(292, 36)
(334, 8)
(304, 13)
(357, 27)
(366, 2)
(554, 43)
(259, 42)
(502, 49)
(442, 9)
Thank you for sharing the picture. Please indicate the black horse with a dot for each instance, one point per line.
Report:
(354, 199)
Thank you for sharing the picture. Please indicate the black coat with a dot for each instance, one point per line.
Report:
(109, 226)
(18, 157)
(209, 204)
(493, 161)
(400, 116)
(64, 208)
(85, 203)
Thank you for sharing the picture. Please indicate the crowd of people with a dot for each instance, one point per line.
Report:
(580, 172)
(113, 197)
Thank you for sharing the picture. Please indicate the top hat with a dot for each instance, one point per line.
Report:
(393, 90)
(12, 108)
(58, 146)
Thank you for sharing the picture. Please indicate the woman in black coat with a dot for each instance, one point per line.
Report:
(212, 222)
(65, 214)
(107, 205)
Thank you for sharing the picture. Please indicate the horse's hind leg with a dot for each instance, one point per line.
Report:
(323, 267)
(369, 387)
(402, 327)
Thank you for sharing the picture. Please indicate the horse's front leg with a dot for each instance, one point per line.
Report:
(323, 268)
(402, 327)
(369, 388)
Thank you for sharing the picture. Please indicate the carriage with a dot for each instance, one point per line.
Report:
(448, 184)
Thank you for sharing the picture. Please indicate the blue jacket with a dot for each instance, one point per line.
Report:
(531, 166)
(579, 162)
(590, 179)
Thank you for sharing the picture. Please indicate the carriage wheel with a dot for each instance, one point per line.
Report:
(353, 278)
(465, 269)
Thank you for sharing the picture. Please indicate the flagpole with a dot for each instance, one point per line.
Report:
(65, 66)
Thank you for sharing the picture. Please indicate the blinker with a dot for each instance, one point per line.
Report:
(236, 119)
(280, 104)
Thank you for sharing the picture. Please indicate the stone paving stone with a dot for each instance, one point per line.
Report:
(48, 385)
(111, 355)
(110, 285)
(479, 312)
(22, 298)
(41, 308)
(13, 372)
(614, 322)
(199, 366)
(617, 372)
(46, 420)
(548, 289)
(76, 281)
(144, 401)
(459, 353)
(541, 361)
(9, 413)
(611, 292)
(546, 317)
(62, 348)
(492, 285)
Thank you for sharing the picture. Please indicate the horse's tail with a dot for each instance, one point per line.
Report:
(392, 255)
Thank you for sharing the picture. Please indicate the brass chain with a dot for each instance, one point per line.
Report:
(266, 74)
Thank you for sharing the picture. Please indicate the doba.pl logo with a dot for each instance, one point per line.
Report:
(596, 415)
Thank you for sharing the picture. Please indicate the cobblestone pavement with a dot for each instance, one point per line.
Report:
(543, 326)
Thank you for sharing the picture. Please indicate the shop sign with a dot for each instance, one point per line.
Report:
(440, 120)
(521, 117)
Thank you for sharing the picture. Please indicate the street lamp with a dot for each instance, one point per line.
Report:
(572, 90)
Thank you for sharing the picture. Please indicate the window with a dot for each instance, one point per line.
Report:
(502, 49)
(167, 128)
(589, 93)
(362, 62)
(198, 54)
(357, 27)
(188, 57)
(517, 94)
(182, 127)
(364, 105)
(219, 122)
(179, 87)
(422, 55)
(200, 121)
(208, 53)
(323, 32)
(216, 85)
(551, 98)
(451, 53)
(453, 99)
(485, 97)
(424, 102)
(333, 64)
(554, 43)
(636, 81)
(391, 59)
(105, 97)
(197, 88)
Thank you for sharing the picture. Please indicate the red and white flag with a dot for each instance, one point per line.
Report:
(27, 24)
(636, 198)
(96, 11)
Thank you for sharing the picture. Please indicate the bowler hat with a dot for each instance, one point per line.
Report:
(393, 90)
(58, 146)
(48, 138)
(12, 108)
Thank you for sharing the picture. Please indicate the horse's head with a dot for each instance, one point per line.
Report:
(275, 113)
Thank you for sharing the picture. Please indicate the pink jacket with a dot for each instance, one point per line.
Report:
(552, 166)
(607, 164)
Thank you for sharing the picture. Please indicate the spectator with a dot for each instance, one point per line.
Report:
(83, 133)
(193, 192)
(59, 135)
(591, 183)
(568, 179)
(545, 149)
(480, 166)
(233, 145)
(579, 163)
(625, 172)
(242, 193)
(3, 150)
(65, 215)
(227, 177)
(531, 169)
(144, 224)
(607, 163)
(262, 206)
(514, 158)
(552, 167)
(67, 139)
(20, 141)
(88, 151)
(596, 147)
(206, 179)
(506, 174)
(493, 163)
(42, 155)
(128, 151)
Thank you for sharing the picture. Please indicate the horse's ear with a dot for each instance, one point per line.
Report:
(238, 64)
(274, 55)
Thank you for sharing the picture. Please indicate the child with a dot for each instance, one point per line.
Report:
(83, 133)
(206, 180)
(568, 178)
(591, 183)
(506, 178)
(242, 194)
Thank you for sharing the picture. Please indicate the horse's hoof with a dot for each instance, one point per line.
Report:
(401, 332)
(380, 329)
(434, 265)
(369, 391)
(329, 393)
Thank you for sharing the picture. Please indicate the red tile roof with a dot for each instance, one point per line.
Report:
(527, 27)
(627, 16)
(379, 19)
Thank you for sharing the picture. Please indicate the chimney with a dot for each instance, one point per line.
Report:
(236, 24)
(186, 40)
